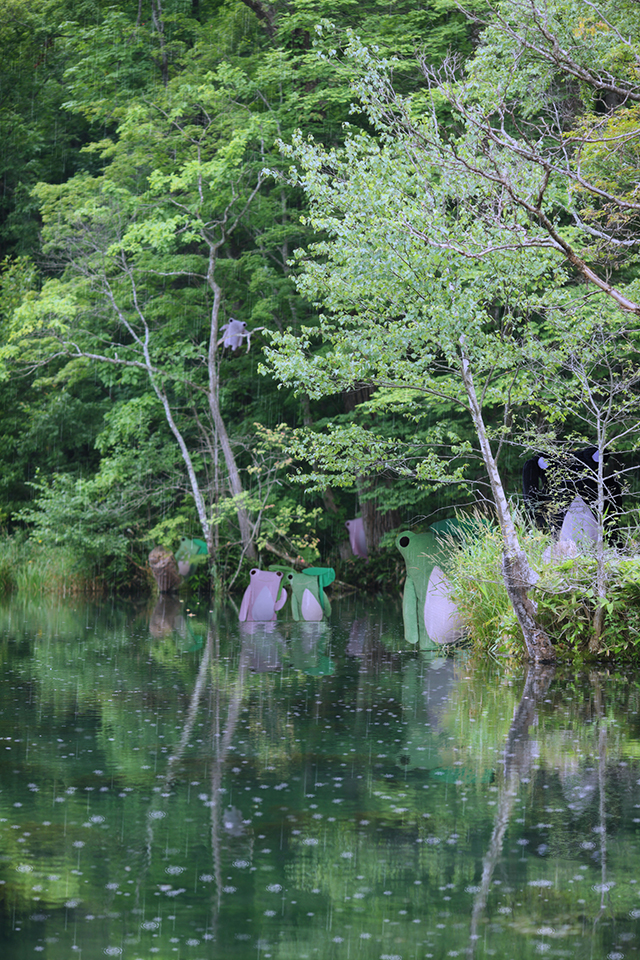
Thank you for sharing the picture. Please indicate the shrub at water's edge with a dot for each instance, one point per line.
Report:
(565, 596)
(31, 569)
(474, 570)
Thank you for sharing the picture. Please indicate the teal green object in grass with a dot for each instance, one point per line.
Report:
(190, 554)
(451, 527)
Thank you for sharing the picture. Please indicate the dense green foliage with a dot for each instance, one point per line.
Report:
(124, 419)
(566, 599)
(366, 188)
(457, 262)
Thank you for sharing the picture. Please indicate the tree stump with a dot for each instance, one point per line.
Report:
(165, 569)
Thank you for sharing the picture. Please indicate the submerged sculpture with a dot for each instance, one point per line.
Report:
(190, 555)
(169, 570)
(431, 618)
(579, 532)
(310, 602)
(416, 548)
(164, 569)
(263, 597)
(579, 523)
(442, 619)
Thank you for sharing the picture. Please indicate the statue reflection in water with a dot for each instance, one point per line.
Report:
(263, 649)
(166, 617)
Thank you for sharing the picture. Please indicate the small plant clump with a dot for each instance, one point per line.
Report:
(567, 603)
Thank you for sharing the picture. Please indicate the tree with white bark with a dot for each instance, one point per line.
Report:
(137, 256)
(459, 259)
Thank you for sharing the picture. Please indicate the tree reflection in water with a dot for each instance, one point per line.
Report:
(171, 780)
(517, 763)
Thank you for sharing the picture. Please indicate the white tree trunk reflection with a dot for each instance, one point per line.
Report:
(518, 757)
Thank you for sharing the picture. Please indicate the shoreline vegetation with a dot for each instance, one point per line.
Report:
(265, 270)
(30, 569)
(564, 593)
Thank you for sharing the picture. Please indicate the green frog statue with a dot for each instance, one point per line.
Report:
(308, 599)
(431, 617)
(191, 554)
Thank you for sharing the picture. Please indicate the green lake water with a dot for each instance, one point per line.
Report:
(175, 785)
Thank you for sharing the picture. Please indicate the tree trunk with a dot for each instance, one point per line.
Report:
(595, 642)
(518, 575)
(186, 456)
(518, 580)
(158, 22)
(518, 757)
(375, 523)
(235, 483)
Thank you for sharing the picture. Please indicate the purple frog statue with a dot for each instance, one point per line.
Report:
(233, 333)
(357, 538)
(263, 597)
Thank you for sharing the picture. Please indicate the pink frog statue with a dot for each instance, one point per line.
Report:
(263, 597)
